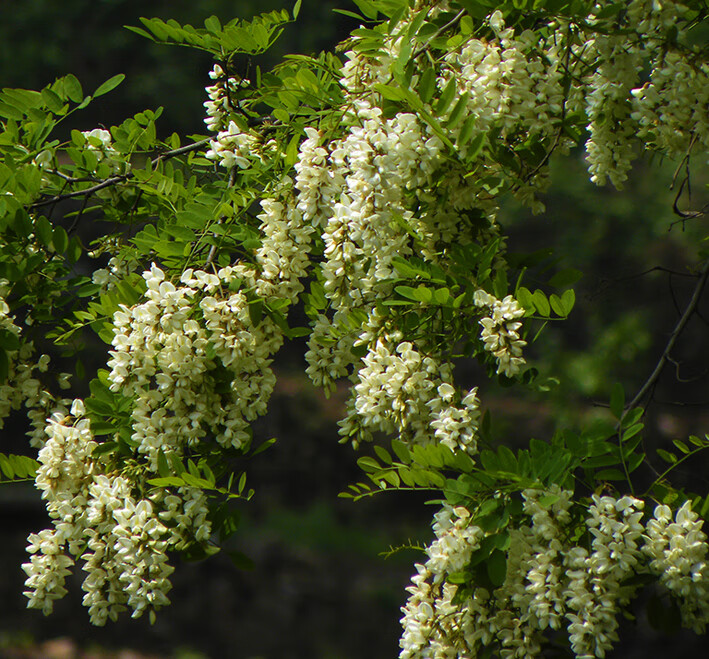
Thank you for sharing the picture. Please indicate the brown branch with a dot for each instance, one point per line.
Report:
(122, 177)
(679, 328)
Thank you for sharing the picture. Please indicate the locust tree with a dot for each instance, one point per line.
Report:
(360, 186)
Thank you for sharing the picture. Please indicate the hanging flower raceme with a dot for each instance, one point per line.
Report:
(549, 582)
(384, 203)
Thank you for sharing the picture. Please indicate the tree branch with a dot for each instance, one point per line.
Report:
(679, 328)
(118, 179)
(213, 248)
(438, 33)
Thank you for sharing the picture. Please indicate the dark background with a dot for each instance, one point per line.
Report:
(319, 588)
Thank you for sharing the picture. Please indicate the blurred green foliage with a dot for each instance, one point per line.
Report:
(636, 257)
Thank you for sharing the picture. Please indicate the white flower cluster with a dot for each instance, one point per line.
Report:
(666, 109)
(195, 365)
(595, 593)
(234, 147)
(400, 390)
(19, 386)
(284, 256)
(609, 147)
(22, 387)
(193, 361)
(107, 278)
(677, 550)
(430, 618)
(500, 333)
(513, 82)
(549, 582)
(100, 144)
(360, 192)
(219, 105)
(329, 354)
(671, 108)
(376, 163)
(123, 540)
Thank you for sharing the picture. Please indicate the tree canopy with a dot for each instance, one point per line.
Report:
(352, 199)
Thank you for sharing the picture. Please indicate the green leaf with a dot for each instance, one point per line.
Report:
(18, 467)
(43, 230)
(466, 132)
(475, 8)
(73, 90)
(681, 446)
(262, 447)
(102, 428)
(167, 481)
(140, 31)
(557, 306)
(296, 9)
(541, 303)
(383, 455)
(458, 112)
(368, 464)
(9, 340)
(617, 403)
(568, 300)
(351, 14)
(419, 294)
(110, 84)
(446, 97)
(60, 239)
(6, 467)
(633, 416)
(213, 24)
(524, 297)
(497, 567)
(635, 461)
(242, 483)
(163, 465)
(401, 450)
(547, 500)
(632, 431)
(391, 477)
(610, 475)
(367, 7)
(671, 458)
(565, 277)
(427, 84)
(458, 577)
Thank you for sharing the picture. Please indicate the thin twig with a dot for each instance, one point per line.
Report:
(607, 283)
(79, 193)
(679, 328)
(213, 248)
(118, 179)
(679, 378)
(73, 179)
(438, 33)
(75, 223)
